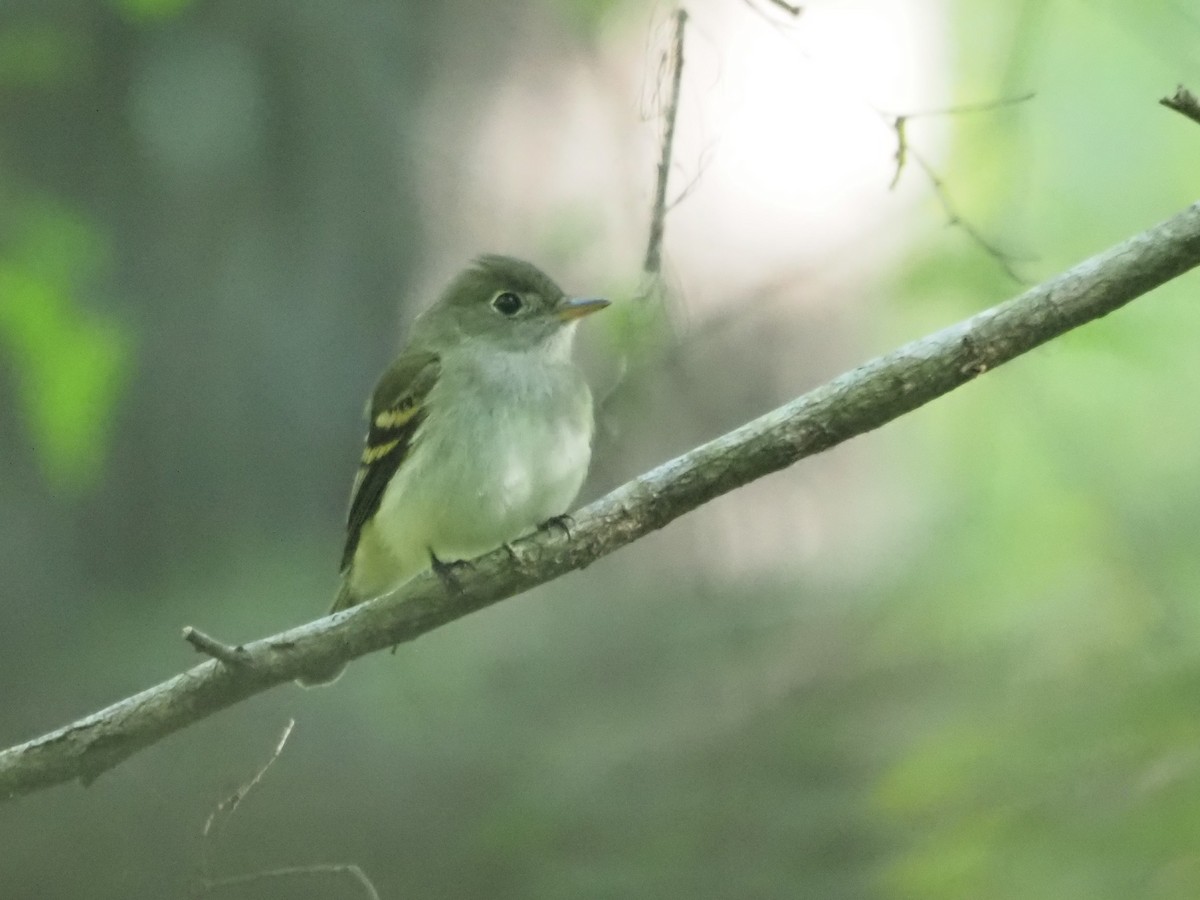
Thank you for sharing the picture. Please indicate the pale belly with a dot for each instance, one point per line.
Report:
(467, 489)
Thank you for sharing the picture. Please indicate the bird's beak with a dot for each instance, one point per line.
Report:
(577, 307)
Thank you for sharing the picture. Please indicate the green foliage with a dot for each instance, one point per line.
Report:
(38, 55)
(148, 11)
(640, 329)
(1056, 589)
(588, 17)
(70, 363)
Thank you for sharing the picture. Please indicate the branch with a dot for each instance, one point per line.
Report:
(658, 216)
(856, 402)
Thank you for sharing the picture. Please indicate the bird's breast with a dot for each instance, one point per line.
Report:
(505, 446)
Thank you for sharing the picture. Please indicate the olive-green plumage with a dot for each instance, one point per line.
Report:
(479, 431)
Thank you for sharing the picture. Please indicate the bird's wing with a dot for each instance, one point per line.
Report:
(397, 410)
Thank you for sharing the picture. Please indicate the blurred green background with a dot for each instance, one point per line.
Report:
(959, 657)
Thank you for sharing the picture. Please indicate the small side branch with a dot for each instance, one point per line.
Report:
(790, 8)
(658, 217)
(1183, 102)
(899, 124)
(1006, 260)
(210, 646)
(347, 869)
(229, 805)
(904, 151)
(223, 811)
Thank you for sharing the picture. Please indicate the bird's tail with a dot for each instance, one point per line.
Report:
(344, 600)
(345, 597)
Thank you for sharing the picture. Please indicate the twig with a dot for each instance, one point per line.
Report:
(295, 871)
(1003, 258)
(859, 401)
(899, 123)
(967, 108)
(658, 216)
(210, 646)
(230, 804)
(1183, 102)
(701, 167)
(788, 8)
(227, 807)
(793, 10)
(900, 126)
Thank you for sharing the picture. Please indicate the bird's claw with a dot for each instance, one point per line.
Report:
(447, 571)
(565, 522)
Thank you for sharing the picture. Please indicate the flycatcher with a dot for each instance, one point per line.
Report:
(480, 431)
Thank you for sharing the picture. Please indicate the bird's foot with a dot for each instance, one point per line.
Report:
(565, 522)
(447, 571)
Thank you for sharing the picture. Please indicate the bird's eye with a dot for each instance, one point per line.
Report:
(507, 303)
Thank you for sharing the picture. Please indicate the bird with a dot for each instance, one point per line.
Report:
(479, 432)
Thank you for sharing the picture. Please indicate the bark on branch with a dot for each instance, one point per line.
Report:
(853, 403)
